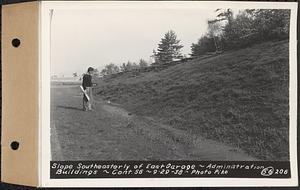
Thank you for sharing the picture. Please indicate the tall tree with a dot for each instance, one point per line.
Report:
(214, 31)
(169, 48)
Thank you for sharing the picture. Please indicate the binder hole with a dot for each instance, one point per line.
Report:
(14, 145)
(16, 42)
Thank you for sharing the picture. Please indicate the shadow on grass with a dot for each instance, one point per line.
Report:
(70, 108)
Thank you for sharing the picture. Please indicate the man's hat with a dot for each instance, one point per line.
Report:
(90, 69)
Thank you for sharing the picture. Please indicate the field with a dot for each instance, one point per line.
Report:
(238, 98)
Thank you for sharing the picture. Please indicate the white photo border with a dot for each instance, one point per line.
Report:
(44, 98)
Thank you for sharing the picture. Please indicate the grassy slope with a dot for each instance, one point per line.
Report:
(239, 97)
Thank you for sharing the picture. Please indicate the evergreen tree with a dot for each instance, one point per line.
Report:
(168, 49)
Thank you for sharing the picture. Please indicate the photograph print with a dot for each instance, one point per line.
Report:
(170, 84)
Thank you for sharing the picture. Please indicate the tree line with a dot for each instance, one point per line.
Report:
(225, 32)
(113, 68)
(249, 27)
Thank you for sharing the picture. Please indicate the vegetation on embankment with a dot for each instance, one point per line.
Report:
(238, 97)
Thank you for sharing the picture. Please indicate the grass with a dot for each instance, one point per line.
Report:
(238, 97)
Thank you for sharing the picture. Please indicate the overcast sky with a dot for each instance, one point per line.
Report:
(83, 38)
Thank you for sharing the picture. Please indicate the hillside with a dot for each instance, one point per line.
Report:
(239, 97)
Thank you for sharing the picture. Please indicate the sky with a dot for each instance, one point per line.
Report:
(84, 38)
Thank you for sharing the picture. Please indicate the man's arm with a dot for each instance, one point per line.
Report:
(84, 82)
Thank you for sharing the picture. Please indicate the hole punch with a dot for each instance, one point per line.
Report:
(16, 42)
(15, 145)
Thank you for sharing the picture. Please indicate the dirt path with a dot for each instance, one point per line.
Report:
(111, 133)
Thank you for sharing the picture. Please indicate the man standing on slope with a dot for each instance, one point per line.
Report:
(87, 86)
